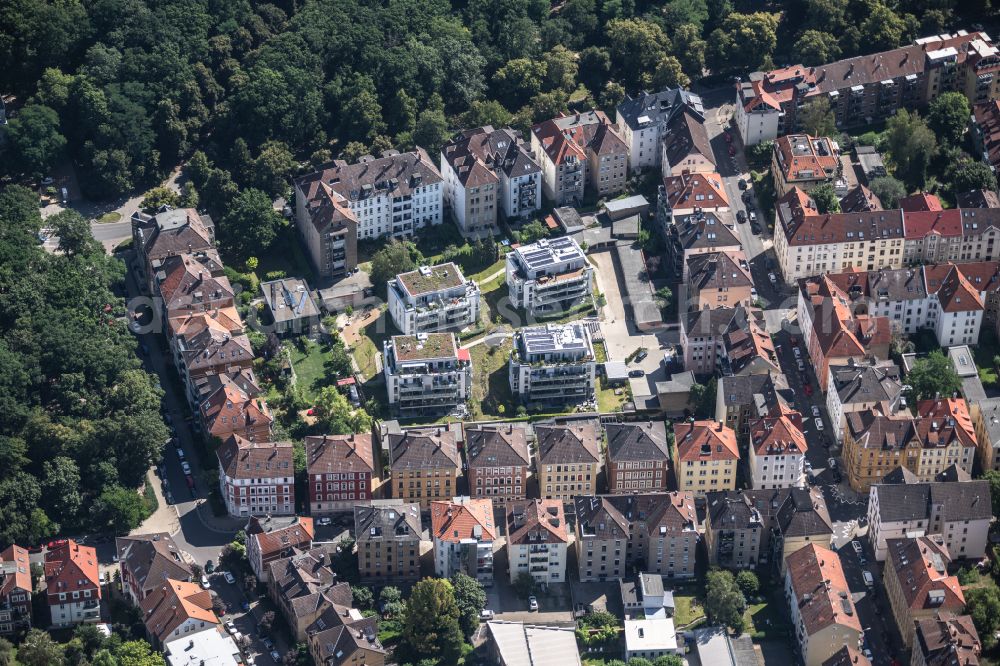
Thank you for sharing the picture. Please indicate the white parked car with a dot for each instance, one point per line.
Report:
(532, 603)
(815, 410)
(230, 627)
(856, 545)
(485, 614)
(819, 424)
(229, 578)
(186, 468)
(204, 582)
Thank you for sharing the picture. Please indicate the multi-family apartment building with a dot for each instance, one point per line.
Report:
(210, 352)
(176, 609)
(655, 532)
(433, 298)
(717, 280)
(985, 130)
(425, 465)
(834, 332)
(917, 582)
(388, 539)
(758, 115)
(939, 436)
(146, 560)
(986, 421)
(426, 373)
(549, 276)
(778, 451)
(343, 636)
(569, 458)
(647, 119)
(705, 456)
(859, 387)
(946, 638)
(256, 478)
(805, 162)
(234, 407)
(809, 243)
(498, 459)
(743, 399)
(341, 471)
(463, 533)
(15, 590)
(72, 583)
(698, 233)
(168, 232)
(304, 585)
(487, 171)
(537, 539)
(690, 194)
(707, 336)
(577, 151)
(267, 542)
(638, 457)
(394, 195)
(191, 283)
(822, 607)
(290, 307)
(327, 223)
(553, 365)
(871, 88)
(958, 511)
(748, 528)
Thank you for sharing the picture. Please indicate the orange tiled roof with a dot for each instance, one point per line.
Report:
(821, 590)
(174, 603)
(705, 440)
(695, 190)
(921, 202)
(71, 567)
(454, 521)
(778, 435)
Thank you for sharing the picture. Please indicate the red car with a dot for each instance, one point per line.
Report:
(732, 151)
(729, 138)
(808, 390)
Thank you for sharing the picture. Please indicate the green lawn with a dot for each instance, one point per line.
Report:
(687, 609)
(984, 353)
(488, 271)
(490, 383)
(370, 345)
(600, 352)
(607, 401)
(113, 216)
(310, 367)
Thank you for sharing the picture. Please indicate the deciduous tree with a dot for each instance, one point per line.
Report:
(35, 139)
(933, 376)
(432, 621)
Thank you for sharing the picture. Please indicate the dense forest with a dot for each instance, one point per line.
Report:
(131, 88)
(81, 422)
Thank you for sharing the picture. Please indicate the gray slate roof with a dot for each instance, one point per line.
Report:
(637, 441)
(866, 383)
(969, 500)
(400, 522)
(659, 107)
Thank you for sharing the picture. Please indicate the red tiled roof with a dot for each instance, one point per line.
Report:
(705, 440)
(454, 521)
(945, 419)
(19, 577)
(778, 435)
(71, 567)
(920, 565)
(240, 458)
(820, 588)
(987, 119)
(800, 159)
(174, 603)
(696, 190)
(920, 202)
(953, 289)
(945, 223)
(300, 535)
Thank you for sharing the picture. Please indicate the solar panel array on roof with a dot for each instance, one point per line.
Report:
(552, 338)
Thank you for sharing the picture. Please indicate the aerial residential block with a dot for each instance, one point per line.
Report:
(256, 478)
(426, 373)
(649, 121)
(388, 542)
(536, 540)
(805, 162)
(706, 455)
(425, 465)
(551, 275)
(291, 307)
(553, 365)
(463, 532)
(917, 582)
(498, 458)
(72, 584)
(569, 458)
(432, 299)
(341, 470)
(778, 451)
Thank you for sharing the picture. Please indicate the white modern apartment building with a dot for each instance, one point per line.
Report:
(553, 365)
(959, 511)
(426, 373)
(778, 452)
(483, 166)
(433, 298)
(393, 195)
(548, 276)
(643, 122)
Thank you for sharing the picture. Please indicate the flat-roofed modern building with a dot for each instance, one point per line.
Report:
(548, 276)
(426, 373)
(433, 298)
(553, 365)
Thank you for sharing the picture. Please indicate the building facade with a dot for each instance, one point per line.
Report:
(645, 118)
(578, 151)
(341, 470)
(256, 478)
(537, 539)
(388, 539)
(463, 532)
(432, 299)
(638, 457)
(498, 461)
(72, 584)
(426, 373)
(917, 582)
(778, 452)
(705, 456)
(551, 275)
(425, 465)
(553, 365)
(569, 458)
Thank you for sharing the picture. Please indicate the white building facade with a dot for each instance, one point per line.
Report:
(553, 365)
(426, 373)
(548, 276)
(758, 117)
(432, 299)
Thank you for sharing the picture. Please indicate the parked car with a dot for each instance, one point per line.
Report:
(741, 216)
(640, 356)
(742, 183)
(186, 467)
(638, 372)
(869, 579)
(856, 545)
(229, 578)
(276, 656)
(832, 464)
(230, 627)
(324, 521)
(797, 352)
(753, 215)
(169, 497)
(807, 389)
(773, 278)
(209, 566)
(819, 423)
(486, 614)
(205, 584)
(180, 453)
(532, 603)
(815, 410)
(267, 643)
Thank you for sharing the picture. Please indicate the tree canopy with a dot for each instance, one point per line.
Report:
(932, 376)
